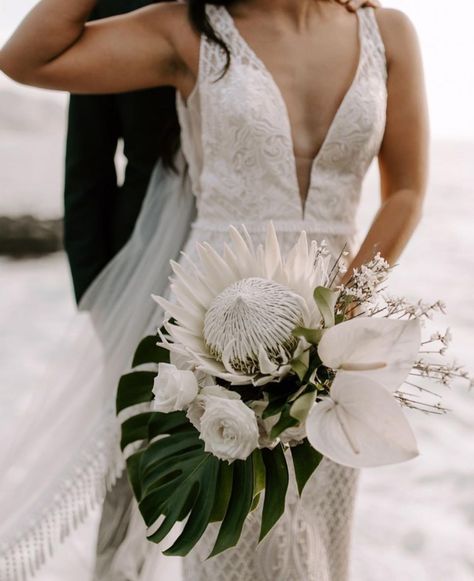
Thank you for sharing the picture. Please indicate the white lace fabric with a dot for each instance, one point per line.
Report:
(311, 542)
(238, 143)
(237, 138)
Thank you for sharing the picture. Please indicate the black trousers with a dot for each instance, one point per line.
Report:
(100, 215)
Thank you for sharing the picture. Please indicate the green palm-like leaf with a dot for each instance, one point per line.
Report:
(240, 504)
(305, 461)
(174, 479)
(326, 299)
(277, 479)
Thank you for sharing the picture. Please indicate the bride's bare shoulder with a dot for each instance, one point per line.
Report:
(398, 33)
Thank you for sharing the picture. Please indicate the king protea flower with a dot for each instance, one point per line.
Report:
(235, 314)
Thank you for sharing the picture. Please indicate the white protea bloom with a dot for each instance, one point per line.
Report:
(234, 314)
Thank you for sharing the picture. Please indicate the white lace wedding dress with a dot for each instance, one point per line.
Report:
(238, 146)
(237, 141)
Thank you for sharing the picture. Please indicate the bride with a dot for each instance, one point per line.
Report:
(283, 105)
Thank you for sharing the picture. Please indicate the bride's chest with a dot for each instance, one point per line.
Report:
(248, 103)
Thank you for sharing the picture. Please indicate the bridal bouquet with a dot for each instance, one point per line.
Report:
(263, 361)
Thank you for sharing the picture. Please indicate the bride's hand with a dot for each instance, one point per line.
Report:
(356, 4)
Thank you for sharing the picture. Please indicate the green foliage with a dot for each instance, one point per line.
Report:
(275, 490)
(345, 303)
(302, 406)
(313, 336)
(148, 352)
(134, 388)
(285, 421)
(240, 504)
(326, 299)
(299, 368)
(278, 395)
(305, 461)
(174, 479)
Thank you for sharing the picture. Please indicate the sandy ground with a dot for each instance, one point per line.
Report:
(413, 522)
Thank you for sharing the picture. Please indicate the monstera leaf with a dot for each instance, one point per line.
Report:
(175, 480)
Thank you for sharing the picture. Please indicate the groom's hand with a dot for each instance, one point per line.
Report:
(354, 5)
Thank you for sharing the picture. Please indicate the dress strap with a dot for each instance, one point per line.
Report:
(373, 41)
(213, 57)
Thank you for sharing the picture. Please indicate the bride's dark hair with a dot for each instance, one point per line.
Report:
(170, 141)
(200, 21)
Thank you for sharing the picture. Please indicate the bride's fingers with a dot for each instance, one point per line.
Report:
(356, 4)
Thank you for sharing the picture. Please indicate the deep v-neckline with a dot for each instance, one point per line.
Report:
(302, 201)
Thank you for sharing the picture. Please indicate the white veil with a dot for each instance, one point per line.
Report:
(59, 449)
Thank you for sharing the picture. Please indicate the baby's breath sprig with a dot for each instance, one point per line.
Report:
(365, 285)
(409, 400)
(442, 373)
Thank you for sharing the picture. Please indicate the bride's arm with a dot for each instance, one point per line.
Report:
(55, 48)
(403, 158)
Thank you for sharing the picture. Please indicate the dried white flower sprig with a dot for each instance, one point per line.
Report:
(364, 293)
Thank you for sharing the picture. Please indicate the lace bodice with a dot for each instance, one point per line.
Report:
(236, 136)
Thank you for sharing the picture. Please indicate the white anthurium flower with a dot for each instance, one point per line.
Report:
(173, 388)
(383, 350)
(198, 406)
(360, 425)
(229, 429)
(235, 314)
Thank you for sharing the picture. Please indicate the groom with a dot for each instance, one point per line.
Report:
(99, 213)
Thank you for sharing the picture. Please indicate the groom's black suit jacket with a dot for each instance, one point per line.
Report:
(100, 215)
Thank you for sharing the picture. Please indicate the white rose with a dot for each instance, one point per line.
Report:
(183, 362)
(229, 429)
(174, 389)
(197, 407)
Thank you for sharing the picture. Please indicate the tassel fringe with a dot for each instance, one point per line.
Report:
(77, 495)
